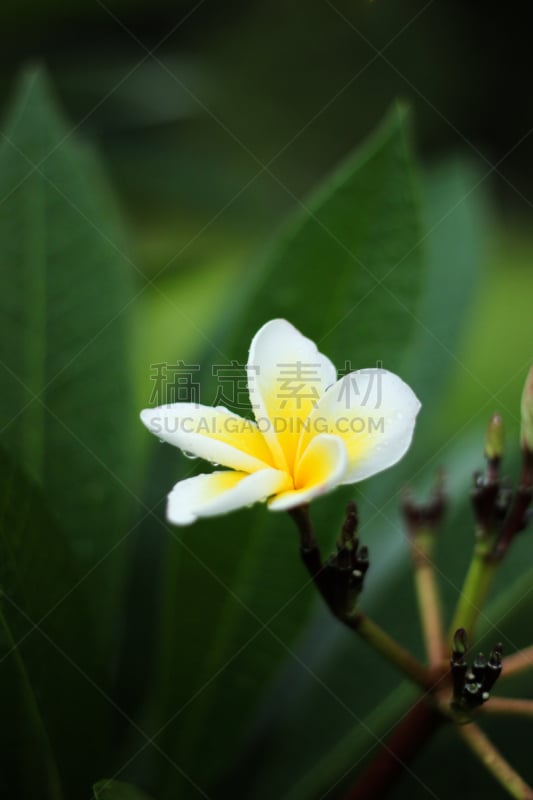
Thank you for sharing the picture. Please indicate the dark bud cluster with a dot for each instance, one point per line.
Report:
(500, 512)
(472, 682)
(340, 579)
(344, 572)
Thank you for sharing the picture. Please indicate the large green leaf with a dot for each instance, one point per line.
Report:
(456, 223)
(49, 673)
(347, 271)
(116, 790)
(65, 403)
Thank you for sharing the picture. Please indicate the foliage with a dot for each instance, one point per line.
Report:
(198, 660)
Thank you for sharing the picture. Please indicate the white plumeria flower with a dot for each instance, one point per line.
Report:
(311, 432)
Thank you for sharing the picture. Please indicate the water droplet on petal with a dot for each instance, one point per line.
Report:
(187, 454)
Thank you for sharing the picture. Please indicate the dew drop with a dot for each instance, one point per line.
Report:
(187, 454)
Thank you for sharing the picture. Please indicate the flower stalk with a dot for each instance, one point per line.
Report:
(490, 506)
(493, 760)
(509, 707)
(422, 523)
(477, 585)
(388, 647)
(518, 662)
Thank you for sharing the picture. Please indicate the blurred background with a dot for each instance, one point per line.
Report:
(213, 121)
(212, 118)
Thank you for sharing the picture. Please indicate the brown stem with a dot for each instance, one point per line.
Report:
(422, 523)
(428, 598)
(508, 706)
(394, 756)
(517, 663)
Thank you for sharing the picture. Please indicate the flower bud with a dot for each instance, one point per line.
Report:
(494, 438)
(526, 431)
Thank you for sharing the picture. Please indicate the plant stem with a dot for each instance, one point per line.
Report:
(394, 756)
(508, 706)
(301, 517)
(475, 589)
(496, 764)
(380, 641)
(428, 596)
(517, 663)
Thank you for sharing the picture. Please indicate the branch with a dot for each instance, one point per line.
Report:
(474, 592)
(428, 598)
(380, 641)
(508, 706)
(496, 764)
(422, 521)
(518, 662)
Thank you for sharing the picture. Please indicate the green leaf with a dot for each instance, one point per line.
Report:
(116, 790)
(347, 271)
(48, 667)
(65, 290)
(456, 219)
(24, 738)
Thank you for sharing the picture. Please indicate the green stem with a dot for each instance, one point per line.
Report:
(475, 589)
(388, 647)
(493, 760)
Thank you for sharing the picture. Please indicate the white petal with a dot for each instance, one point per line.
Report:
(286, 377)
(211, 433)
(321, 468)
(220, 492)
(374, 412)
